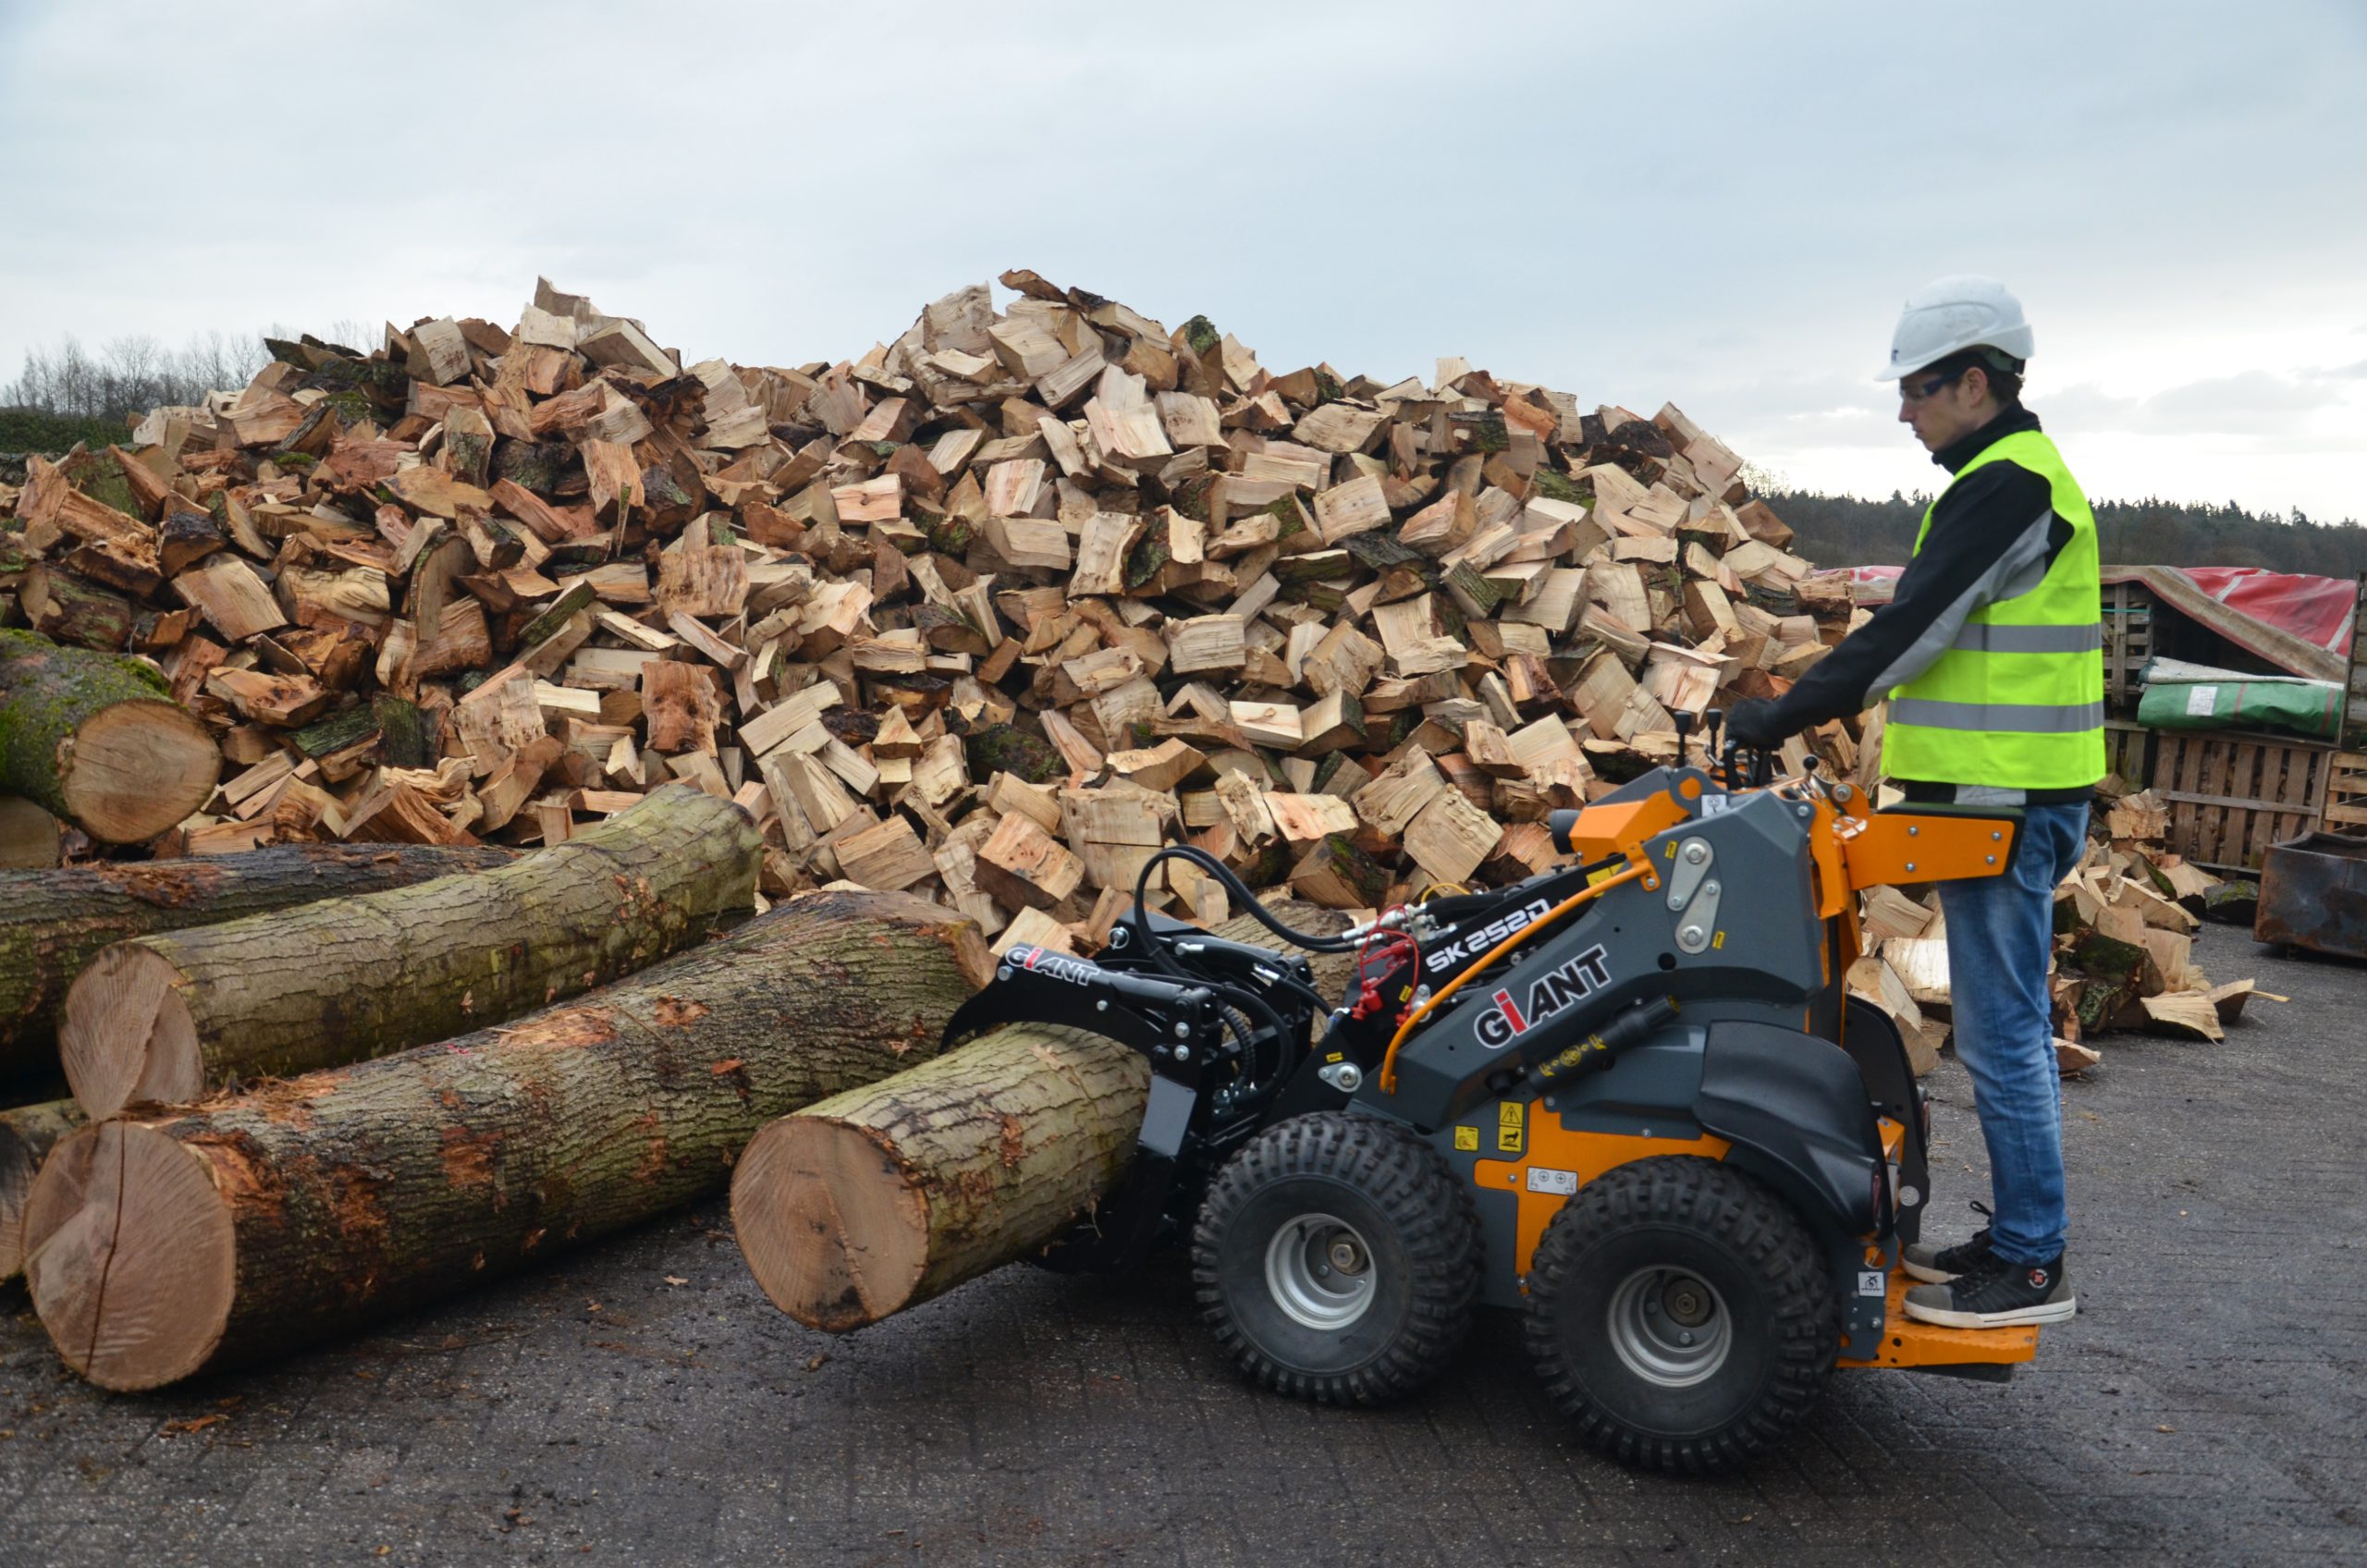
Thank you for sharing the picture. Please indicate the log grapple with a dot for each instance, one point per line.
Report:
(1630, 1098)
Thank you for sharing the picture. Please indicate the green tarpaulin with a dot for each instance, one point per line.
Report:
(2307, 707)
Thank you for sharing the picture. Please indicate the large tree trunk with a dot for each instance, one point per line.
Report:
(52, 923)
(886, 1195)
(159, 1245)
(166, 1017)
(98, 741)
(27, 1135)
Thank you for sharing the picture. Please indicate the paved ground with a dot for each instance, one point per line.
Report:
(2209, 1405)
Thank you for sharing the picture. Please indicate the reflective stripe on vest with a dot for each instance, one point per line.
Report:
(1980, 638)
(2015, 702)
(2017, 719)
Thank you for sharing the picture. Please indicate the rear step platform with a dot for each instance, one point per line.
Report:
(1986, 1354)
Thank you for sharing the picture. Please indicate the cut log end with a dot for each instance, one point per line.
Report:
(27, 1135)
(831, 1223)
(131, 1256)
(30, 838)
(128, 1036)
(137, 770)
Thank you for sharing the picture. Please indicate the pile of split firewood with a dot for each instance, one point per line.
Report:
(2124, 926)
(986, 614)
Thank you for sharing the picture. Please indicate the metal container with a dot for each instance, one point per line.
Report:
(2314, 895)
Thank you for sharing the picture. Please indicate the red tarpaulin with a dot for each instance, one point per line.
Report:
(2316, 610)
(2297, 623)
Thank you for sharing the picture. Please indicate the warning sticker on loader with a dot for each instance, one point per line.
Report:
(1466, 1138)
(1508, 1127)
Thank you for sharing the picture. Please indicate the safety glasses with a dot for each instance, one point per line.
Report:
(1910, 393)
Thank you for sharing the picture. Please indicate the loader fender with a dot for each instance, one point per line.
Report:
(1795, 1110)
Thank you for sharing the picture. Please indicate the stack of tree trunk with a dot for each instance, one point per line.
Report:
(2124, 925)
(985, 613)
(168, 982)
(170, 1240)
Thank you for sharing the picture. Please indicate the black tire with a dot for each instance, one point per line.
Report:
(1657, 1371)
(1262, 1256)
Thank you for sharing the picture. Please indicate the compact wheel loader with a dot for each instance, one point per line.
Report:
(1630, 1099)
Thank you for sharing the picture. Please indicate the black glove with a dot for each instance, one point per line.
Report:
(1758, 725)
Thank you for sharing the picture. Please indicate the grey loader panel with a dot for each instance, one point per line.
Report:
(1622, 950)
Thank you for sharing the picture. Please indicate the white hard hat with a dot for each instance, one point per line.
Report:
(1950, 313)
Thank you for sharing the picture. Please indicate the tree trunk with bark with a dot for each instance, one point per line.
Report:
(27, 1135)
(891, 1193)
(98, 739)
(158, 1245)
(167, 1017)
(52, 922)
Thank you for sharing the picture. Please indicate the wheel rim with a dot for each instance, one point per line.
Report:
(1670, 1327)
(1318, 1268)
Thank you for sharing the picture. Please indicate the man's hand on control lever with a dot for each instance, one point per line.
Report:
(1756, 725)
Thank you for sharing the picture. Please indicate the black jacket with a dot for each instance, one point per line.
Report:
(1993, 536)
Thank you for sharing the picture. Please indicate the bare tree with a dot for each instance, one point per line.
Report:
(133, 374)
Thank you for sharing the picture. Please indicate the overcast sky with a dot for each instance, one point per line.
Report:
(1718, 204)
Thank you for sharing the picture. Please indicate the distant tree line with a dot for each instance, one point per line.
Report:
(126, 376)
(33, 430)
(1850, 531)
(73, 390)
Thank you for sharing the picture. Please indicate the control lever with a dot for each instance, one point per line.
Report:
(1808, 780)
(1683, 728)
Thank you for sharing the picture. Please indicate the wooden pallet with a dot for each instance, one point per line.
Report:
(2346, 808)
(2232, 793)
(2345, 802)
(2129, 750)
(2129, 641)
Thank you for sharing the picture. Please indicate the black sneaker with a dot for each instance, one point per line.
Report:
(1937, 1265)
(1997, 1296)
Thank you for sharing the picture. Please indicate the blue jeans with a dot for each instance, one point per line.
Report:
(2001, 930)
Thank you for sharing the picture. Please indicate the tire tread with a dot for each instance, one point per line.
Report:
(1435, 1220)
(1725, 1206)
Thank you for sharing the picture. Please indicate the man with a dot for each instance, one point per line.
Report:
(1990, 656)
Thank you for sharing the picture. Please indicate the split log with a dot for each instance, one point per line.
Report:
(158, 1245)
(52, 923)
(27, 1135)
(165, 1017)
(2071, 1057)
(884, 1196)
(2187, 1015)
(98, 741)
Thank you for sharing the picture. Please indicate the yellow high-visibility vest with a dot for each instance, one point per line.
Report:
(2017, 700)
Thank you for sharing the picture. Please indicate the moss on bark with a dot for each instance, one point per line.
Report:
(48, 694)
(52, 923)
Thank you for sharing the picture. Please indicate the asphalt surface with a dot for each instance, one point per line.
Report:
(640, 1403)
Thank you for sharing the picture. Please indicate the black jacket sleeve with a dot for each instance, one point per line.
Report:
(1994, 535)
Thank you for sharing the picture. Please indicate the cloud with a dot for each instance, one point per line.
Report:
(2252, 400)
(2250, 403)
(2087, 406)
(1374, 184)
